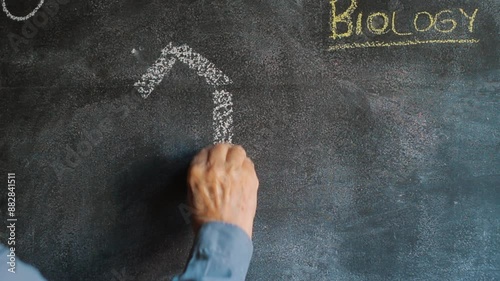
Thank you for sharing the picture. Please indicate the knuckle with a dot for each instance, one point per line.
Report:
(213, 171)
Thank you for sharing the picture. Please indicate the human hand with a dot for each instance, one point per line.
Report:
(223, 187)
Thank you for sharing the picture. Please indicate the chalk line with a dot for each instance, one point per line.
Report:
(401, 43)
(222, 100)
(16, 18)
(222, 116)
(154, 75)
(197, 62)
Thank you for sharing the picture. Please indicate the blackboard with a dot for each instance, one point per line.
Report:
(374, 127)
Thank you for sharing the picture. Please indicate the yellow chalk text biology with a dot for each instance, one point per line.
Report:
(349, 23)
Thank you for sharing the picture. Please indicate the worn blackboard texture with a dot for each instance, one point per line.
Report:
(376, 136)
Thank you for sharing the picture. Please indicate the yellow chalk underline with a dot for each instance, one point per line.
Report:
(401, 43)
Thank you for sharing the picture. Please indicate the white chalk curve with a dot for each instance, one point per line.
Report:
(222, 99)
(16, 18)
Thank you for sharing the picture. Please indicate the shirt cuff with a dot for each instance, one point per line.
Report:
(12, 268)
(221, 251)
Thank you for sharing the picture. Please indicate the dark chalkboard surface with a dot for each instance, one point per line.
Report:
(374, 126)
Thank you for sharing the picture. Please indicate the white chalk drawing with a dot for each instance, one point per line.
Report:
(222, 116)
(16, 18)
(222, 99)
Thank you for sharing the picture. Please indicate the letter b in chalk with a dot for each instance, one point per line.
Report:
(345, 18)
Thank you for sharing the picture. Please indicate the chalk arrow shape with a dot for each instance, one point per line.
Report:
(222, 112)
(162, 66)
(197, 62)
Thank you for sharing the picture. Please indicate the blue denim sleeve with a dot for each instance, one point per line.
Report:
(13, 269)
(222, 252)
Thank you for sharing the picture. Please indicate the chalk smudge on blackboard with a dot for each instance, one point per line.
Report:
(414, 139)
(16, 18)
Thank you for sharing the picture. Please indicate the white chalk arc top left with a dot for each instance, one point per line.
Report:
(16, 18)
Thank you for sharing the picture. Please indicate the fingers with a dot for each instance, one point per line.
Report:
(250, 167)
(201, 157)
(217, 154)
(248, 164)
(223, 186)
(220, 153)
(236, 155)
